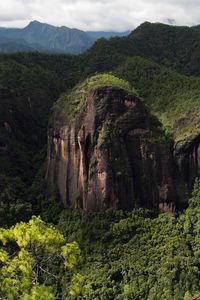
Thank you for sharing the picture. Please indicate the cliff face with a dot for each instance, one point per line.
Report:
(187, 156)
(109, 158)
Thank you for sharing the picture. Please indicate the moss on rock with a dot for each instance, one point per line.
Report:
(71, 106)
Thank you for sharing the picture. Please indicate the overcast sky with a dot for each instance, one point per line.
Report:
(116, 15)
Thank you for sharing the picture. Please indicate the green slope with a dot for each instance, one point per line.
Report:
(173, 46)
(32, 82)
(172, 97)
(27, 93)
(137, 255)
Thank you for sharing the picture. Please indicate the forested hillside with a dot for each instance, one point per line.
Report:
(172, 46)
(137, 255)
(143, 254)
(30, 83)
(42, 37)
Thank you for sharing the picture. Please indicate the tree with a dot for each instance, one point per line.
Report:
(36, 262)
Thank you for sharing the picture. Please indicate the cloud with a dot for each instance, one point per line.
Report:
(13, 11)
(115, 15)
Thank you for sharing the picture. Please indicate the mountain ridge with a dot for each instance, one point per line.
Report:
(40, 79)
(139, 145)
(38, 36)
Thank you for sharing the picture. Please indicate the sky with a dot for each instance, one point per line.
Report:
(95, 15)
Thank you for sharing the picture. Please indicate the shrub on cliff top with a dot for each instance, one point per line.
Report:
(71, 106)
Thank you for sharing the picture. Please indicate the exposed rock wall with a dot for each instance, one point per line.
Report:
(110, 159)
(187, 155)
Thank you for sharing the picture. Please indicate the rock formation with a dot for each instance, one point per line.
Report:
(187, 156)
(107, 155)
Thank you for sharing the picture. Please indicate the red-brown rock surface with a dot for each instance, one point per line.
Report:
(110, 159)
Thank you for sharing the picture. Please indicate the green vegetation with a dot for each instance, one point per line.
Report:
(27, 92)
(176, 47)
(105, 80)
(137, 255)
(172, 97)
(173, 46)
(36, 262)
(13, 206)
(142, 254)
(31, 82)
(71, 106)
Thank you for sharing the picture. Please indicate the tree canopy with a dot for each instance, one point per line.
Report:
(36, 262)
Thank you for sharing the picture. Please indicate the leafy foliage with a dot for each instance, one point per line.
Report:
(71, 106)
(172, 97)
(137, 255)
(34, 259)
(12, 204)
(27, 92)
(31, 82)
(176, 47)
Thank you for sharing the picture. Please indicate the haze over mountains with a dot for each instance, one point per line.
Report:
(47, 38)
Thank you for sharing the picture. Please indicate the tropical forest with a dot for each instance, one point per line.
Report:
(100, 164)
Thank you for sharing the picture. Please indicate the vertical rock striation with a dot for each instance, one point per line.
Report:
(187, 155)
(107, 156)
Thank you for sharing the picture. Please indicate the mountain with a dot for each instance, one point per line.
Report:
(47, 38)
(128, 138)
(50, 38)
(173, 46)
(8, 45)
(34, 81)
(106, 34)
(107, 128)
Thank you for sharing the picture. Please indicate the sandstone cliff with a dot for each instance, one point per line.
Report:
(187, 154)
(102, 152)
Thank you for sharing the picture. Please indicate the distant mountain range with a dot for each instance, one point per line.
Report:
(47, 38)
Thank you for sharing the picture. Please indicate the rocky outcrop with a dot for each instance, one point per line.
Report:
(187, 155)
(110, 158)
